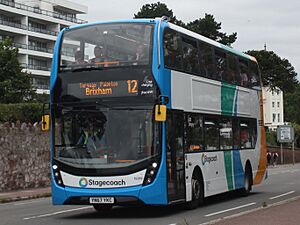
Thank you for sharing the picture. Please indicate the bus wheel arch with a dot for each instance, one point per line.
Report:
(197, 189)
(248, 179)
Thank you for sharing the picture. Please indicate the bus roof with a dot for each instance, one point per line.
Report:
(174, 27)
(210, 41)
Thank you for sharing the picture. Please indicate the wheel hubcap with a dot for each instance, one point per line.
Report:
(196, 189)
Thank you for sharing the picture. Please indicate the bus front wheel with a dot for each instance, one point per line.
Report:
(197, 192)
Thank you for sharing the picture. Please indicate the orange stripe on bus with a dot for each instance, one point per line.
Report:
(263, 152)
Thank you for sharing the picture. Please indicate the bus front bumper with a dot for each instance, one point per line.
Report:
(152, 194)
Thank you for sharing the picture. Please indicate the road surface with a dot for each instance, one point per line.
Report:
(283, 183)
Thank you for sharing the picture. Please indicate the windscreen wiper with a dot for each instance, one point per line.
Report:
(87, 68)
(85, 103)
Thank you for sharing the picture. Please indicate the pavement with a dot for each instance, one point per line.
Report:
(24, 194)
(282, 213)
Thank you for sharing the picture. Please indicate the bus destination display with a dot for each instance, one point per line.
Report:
(103, 89)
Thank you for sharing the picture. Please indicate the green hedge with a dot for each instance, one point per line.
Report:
(25, 112)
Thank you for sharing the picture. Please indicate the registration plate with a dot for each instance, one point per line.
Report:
(102, 200)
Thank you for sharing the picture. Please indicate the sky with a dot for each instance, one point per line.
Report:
(274, 22)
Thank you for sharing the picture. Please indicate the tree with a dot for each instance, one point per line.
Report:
(297, 134)
(292, 105)
(276, 72)
(208, 27)
(15, 85)
(158, 10)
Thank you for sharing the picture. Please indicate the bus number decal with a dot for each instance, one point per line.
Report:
(132, 86)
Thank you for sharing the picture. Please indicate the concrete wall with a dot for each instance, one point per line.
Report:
(24, 157)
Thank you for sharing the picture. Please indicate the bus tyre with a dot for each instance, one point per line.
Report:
(248, 182)
(197, 193)
(102, 208)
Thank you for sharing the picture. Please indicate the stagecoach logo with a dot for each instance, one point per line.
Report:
(208, 159)
(83, 182)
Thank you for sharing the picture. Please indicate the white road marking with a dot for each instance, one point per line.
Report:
(231, 209)
(56, 213)
(28, 202)
(278, 196)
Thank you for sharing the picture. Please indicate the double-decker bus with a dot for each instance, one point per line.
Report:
(144, 111)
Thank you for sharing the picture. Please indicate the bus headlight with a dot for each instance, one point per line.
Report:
(151, 173)
(57, 176)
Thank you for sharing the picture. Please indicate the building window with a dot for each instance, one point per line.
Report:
(274, 117)
(273, 104)
(278, 104)
(278, 117)
(40, 83)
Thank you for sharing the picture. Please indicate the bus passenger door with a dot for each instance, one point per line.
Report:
(175, 156)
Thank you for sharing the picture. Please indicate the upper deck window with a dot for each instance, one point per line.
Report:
(106, 45)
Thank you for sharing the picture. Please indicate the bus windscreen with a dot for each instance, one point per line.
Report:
(106, 45)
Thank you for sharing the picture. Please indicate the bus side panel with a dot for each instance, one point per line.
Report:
(212, 165)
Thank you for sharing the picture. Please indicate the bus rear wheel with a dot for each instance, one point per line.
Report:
(197, 193)
(248, 182)
(102, 208)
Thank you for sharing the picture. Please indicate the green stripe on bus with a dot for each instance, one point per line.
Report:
(227, 98)
(227, 106)
(228, 169)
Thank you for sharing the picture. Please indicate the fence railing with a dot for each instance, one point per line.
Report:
(34, 67)
(25, 27)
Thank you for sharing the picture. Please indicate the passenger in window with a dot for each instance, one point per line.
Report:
(244, 77)
(140, 54)
(98, 55)
(231, 78)
(186, 59)
(79, 58)
(253, 80)
(169, 57)
(194, 61)
(203, 67)
(244, 80)
(220, 75)
(245, 139)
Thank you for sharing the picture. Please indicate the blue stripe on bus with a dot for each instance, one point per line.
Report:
(235, 102)
(238, 170)
(156, 193)
(55, 61)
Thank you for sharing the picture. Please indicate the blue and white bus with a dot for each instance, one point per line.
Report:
(144, 111)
